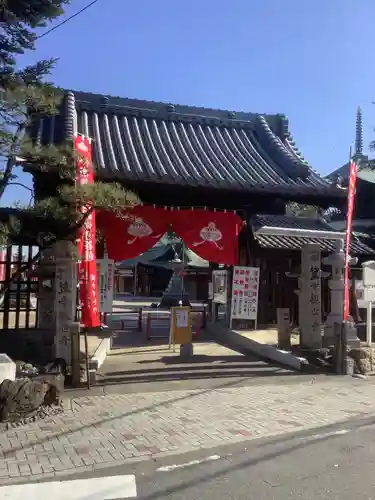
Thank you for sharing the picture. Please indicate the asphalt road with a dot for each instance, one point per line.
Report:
(335, 463)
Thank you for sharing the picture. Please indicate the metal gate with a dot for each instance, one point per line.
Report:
(18, 304)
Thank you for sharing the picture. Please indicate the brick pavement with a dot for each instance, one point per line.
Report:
(107, 430)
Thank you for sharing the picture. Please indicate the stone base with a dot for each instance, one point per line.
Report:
(23, 398)
(186, 352)
(7, 368)
(364, 360)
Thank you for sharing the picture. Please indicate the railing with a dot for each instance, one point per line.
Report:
(155, 322)
(133, 317)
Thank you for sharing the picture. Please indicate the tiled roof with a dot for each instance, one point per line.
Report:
(287, 221)
(148, 141)
(296, 243)
(291, 233)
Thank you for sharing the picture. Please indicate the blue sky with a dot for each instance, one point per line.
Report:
(309, 59)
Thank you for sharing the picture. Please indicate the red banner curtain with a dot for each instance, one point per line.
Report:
(211, 235)
(140, 230)
(88, 280)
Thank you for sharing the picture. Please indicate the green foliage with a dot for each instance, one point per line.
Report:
(25, 97)
(7, 230)
(101, 195)
(24, 94)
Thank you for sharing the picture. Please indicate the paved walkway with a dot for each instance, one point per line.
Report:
(115, 429)
(154, 367)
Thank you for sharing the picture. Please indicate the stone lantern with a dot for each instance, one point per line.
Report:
(175, 293)
(336, 260)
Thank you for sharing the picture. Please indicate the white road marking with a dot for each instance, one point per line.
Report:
(97, 488)
(168, 468)
(325, 435)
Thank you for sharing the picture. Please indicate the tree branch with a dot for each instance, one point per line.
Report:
(10, 162)
(21, 185)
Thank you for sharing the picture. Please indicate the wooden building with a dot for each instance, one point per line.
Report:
(173, 155)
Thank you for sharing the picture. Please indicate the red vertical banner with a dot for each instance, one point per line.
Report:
(88, 280)
(349, 222)
(3, 255)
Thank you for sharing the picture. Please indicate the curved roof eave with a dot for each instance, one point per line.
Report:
(163, 143)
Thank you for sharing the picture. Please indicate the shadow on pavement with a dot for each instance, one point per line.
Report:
(215, 368)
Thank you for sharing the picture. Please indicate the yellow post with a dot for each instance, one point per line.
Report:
(181, 326)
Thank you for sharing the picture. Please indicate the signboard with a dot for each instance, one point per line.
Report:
(182, 318)
(210, 291)
(368, 281)
(283, 317)
(283, 328)
(359, 292)
(368, 273)
(181, 326)
(65, 307)
(220, 286)
(312, 300)
(245, 293)
(105, 269)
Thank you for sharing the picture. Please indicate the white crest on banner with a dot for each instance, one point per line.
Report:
(82, 146)
(210, 234)
(138, 229)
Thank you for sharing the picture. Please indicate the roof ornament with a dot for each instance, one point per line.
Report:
(359, 133)
(105, 100)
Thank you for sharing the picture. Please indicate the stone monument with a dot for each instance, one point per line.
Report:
(57, 295)
(309, 297)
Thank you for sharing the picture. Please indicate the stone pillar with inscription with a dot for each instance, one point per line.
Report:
(309, 297)
(57, 295)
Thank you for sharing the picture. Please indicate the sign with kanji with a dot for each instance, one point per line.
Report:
(64, 308)
(105, 269)
(245, 293)
(311, 315)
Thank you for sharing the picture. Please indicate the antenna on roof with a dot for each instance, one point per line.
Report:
(359, 133)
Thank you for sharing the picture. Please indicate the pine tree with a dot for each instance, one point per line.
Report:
(25, 96)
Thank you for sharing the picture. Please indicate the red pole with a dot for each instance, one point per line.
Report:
(140, 319)
(148, 327)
